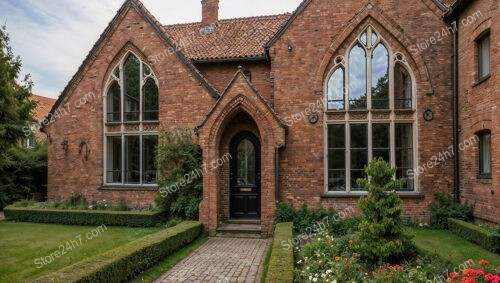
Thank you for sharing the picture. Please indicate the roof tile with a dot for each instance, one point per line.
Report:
(231, 38)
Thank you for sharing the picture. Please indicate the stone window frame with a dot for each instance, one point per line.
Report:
(120, 79)
(127, 128)
(369, 116)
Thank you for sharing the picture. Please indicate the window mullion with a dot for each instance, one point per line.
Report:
(123, 160)
(369, 78)
(392, 143)
(348, 157)
(141, 158)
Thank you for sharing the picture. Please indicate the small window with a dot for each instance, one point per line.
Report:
(30, 142)
(483, 52)
(485, 155)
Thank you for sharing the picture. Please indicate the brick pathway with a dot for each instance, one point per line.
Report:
(221, 260)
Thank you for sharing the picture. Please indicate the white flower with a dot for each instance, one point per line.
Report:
(299, 262)
(315, 279)
(310, 277)
(334, 281)
(328, 271)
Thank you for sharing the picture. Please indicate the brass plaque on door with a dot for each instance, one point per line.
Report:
(245, 189)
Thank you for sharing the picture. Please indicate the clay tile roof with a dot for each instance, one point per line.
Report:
(231, 39)
(44, 104)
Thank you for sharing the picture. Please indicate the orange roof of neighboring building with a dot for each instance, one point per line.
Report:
(44, 104)
(231, 38)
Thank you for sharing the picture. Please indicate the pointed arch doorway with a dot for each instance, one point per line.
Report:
(245, 189)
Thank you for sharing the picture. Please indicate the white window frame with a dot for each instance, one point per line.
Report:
(342, 62)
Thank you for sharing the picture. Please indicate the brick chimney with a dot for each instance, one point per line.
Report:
(209, 11)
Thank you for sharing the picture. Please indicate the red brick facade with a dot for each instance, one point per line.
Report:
(217, 101)
(479, 107)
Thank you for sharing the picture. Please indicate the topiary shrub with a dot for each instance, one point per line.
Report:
(179, 163)
(381, 234)
(444, 207)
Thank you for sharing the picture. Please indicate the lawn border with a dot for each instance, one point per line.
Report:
(85, 217)
(281, 263)
(473, 233)
(125, 262)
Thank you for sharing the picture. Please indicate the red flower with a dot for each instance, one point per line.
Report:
(468, 280)
(483, 262)
(454, 275)
(468, 272)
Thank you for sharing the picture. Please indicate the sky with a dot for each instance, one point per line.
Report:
(54, 36)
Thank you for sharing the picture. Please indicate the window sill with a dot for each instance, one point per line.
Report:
(481, 80)
(413, 195)
(484, 179)
(110, 187)
(113, 123)
(403, 111)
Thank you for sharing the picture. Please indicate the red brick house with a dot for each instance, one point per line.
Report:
(301, 101)
(478, 85)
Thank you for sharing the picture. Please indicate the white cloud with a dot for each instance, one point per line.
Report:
(54, 36)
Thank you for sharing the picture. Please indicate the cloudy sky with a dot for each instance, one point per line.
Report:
(54, 36)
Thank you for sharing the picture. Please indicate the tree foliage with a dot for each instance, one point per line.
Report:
(15, 105)
(381, 233)
(22, 171)
(179, 163)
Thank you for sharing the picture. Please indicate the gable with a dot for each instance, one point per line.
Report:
(107, 33)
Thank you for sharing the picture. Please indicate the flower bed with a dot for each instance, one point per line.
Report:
(328, 259)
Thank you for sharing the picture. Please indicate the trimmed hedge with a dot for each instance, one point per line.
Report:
(280, 267)
(125, 262)
(85, 217)
(475, 234)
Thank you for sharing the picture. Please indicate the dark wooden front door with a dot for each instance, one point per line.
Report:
(245, 176)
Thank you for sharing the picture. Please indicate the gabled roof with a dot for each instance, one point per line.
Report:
(239, 73)
(136, 4)
(241, 38)
(43, 106)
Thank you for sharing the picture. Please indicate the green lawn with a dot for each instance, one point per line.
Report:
(23, 243)
(452, 247)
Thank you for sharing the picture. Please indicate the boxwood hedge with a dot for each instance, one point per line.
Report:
(475, 234)
(125, 262)
(280, 267)
(85, 217)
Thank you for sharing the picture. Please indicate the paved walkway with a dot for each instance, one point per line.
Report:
(221, 260)
(2, 216)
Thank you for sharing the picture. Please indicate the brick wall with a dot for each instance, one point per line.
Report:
(479, 108)
(183, 102)
(319, 34)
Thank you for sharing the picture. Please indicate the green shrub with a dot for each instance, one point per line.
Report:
(381, 234)
(179, 163)
(123, 263)
(280, 267)
(444, 208)
(285, 212)
(475, 234)
(85, 217)
(23, 171)
(307, 221)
